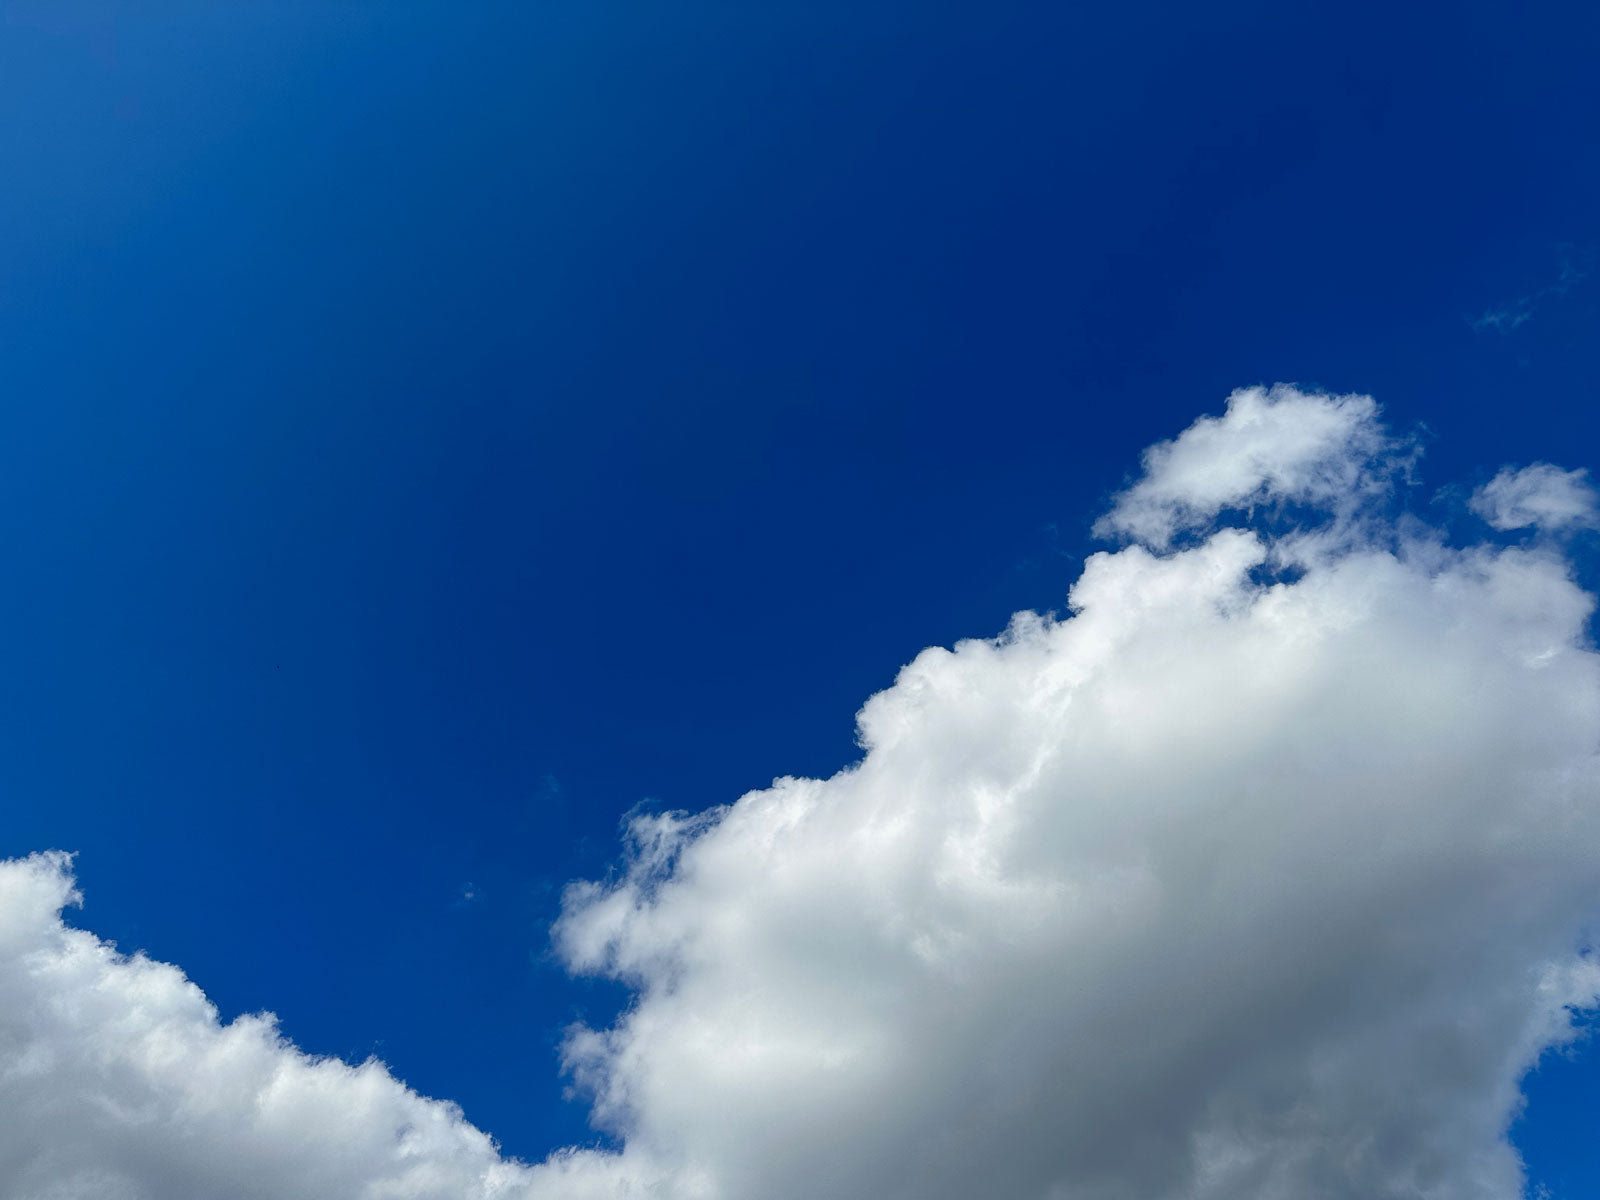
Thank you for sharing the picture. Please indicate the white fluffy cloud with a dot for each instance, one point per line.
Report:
(1217, 888)
(1263, 875)
(1271, 448)
(1540, 495)
(117, 1082)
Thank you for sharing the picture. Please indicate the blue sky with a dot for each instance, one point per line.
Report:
(436, 431)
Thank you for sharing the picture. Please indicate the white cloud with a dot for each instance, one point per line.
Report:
(1212, 890)
(117, 1082)
(1541, 495)
(1271, 447)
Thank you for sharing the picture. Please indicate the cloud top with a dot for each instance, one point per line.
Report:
(1271, 447)
(1214, 888)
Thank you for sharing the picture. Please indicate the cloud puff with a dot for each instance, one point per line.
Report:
(1272, 447)
(1263, 874)
(1540, 495)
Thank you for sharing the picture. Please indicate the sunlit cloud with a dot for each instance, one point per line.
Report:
(1263, 871)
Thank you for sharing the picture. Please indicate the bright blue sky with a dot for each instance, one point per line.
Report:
(430, 433)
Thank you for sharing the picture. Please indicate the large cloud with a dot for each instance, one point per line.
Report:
(1219, 887)
(1264, 874)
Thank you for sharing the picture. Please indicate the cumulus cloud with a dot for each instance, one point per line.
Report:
(1271, 447)
(118, 1082)
(1263, 873)
(1217, 887)
(1541, 495)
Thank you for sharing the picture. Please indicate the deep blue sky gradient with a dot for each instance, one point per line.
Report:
(431, 430)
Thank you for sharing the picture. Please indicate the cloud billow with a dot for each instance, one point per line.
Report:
(1211, 889)
(1216, 887)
